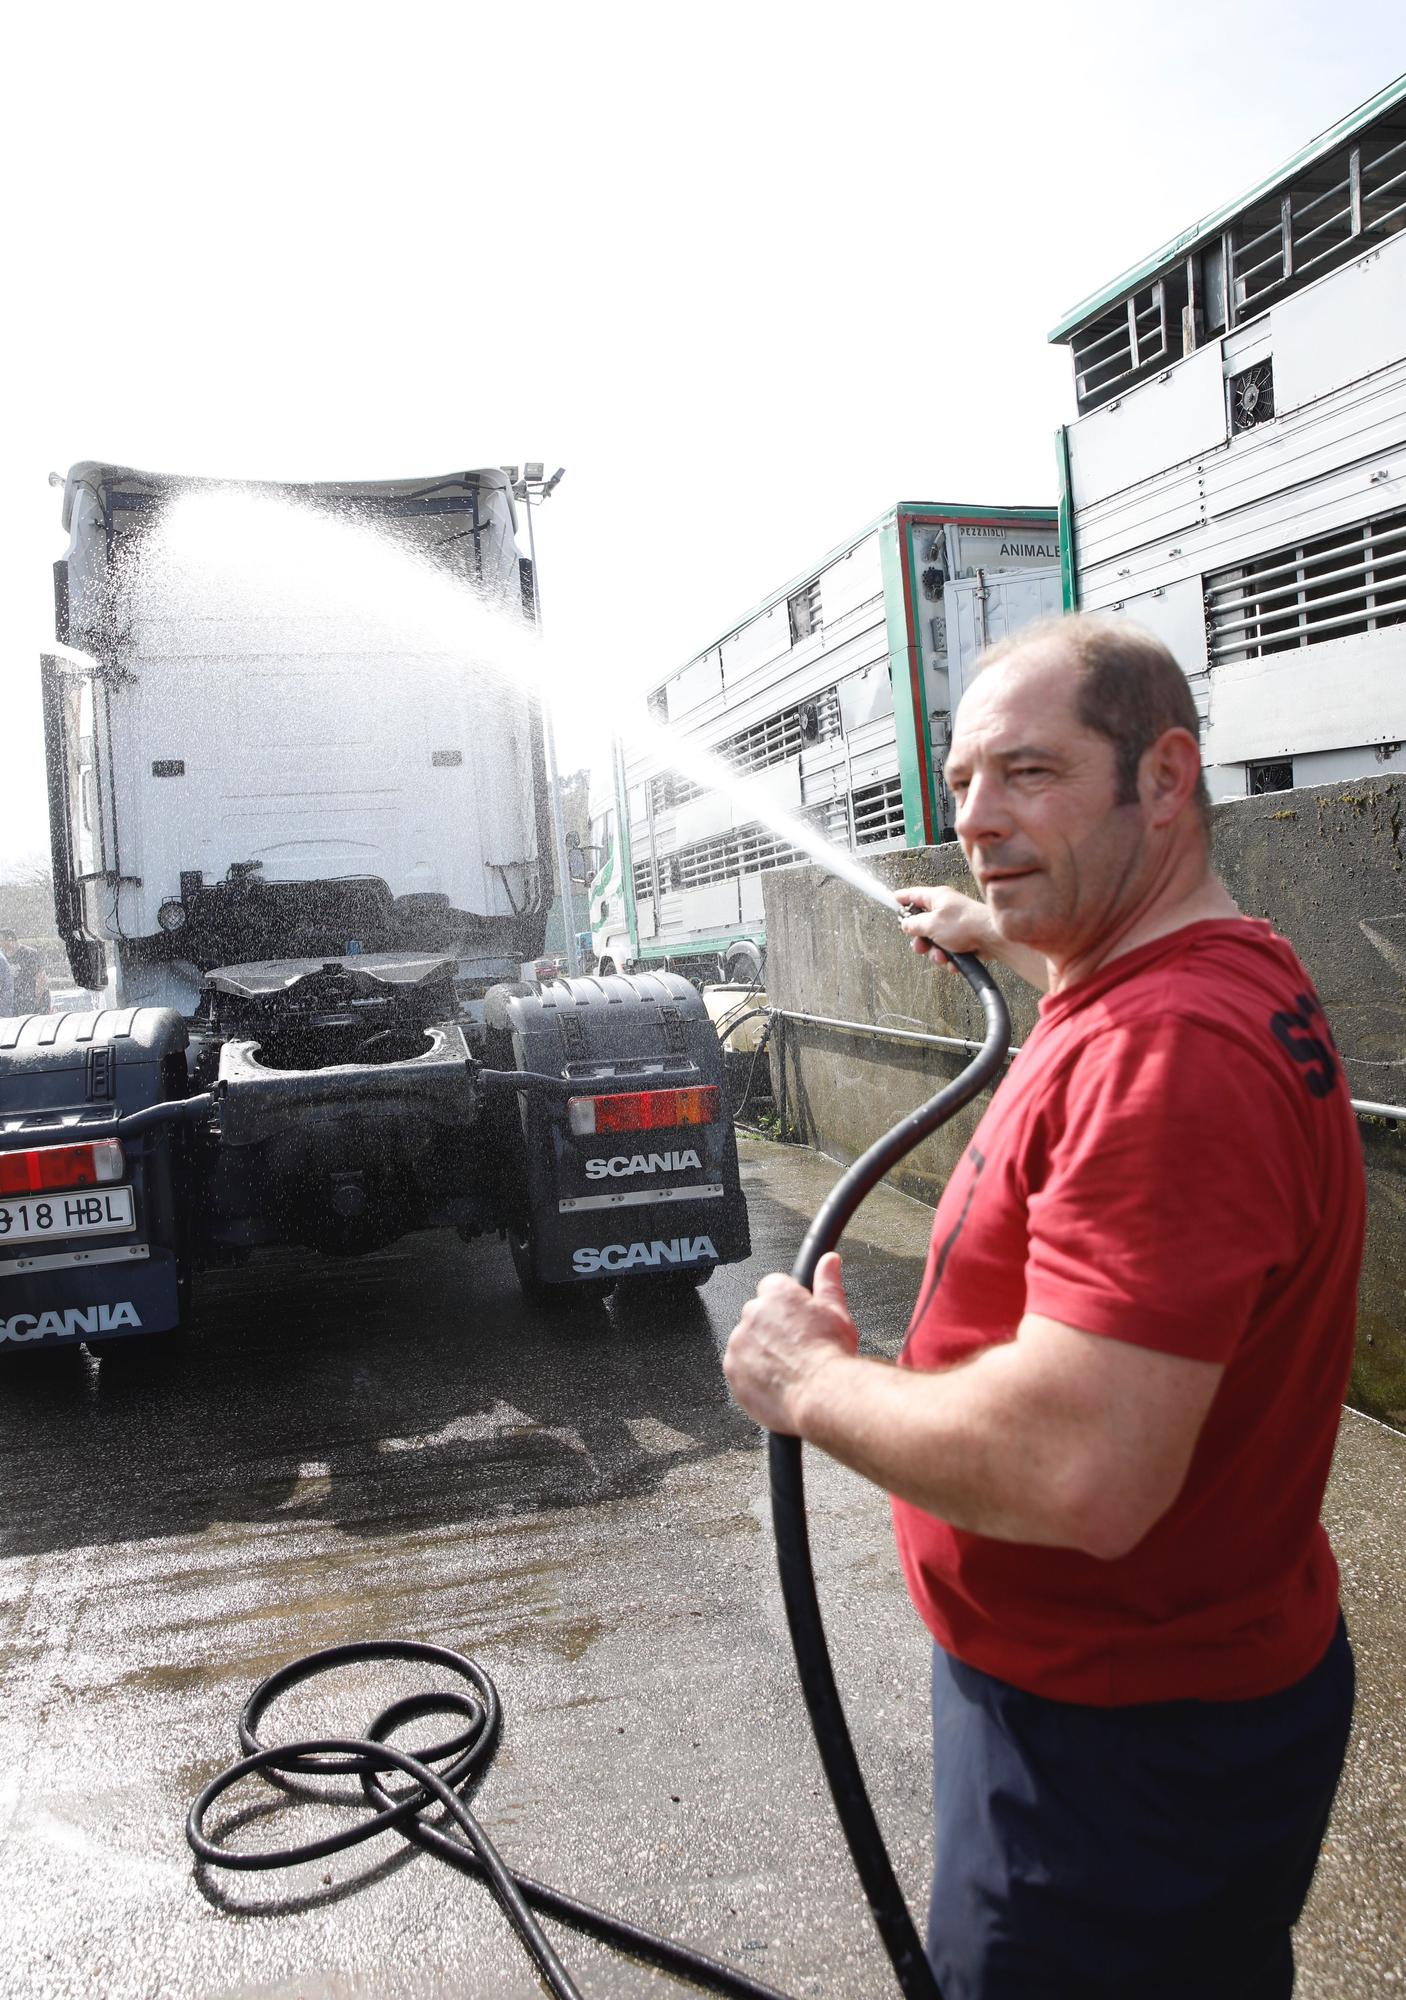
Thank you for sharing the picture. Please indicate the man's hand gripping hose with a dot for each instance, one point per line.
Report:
(440, 1774)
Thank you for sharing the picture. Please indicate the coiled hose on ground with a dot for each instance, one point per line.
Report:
(440, 1773)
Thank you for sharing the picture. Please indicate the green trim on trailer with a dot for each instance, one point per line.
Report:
(627, 859)
(716, 947)
(918, 776)
(909, 711)
(955, 513)
(917, 763)
(932, 814)
(603, 881)
(1210, 225)
(1068, 566)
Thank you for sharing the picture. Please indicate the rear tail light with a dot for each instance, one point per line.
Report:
(44, 1168)
(644, 1110)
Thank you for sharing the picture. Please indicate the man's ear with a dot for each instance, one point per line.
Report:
(1168, 771)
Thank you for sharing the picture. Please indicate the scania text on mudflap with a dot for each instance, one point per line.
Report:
(304, 847)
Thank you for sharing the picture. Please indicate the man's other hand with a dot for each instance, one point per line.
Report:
(940, 921)
(785, 1340)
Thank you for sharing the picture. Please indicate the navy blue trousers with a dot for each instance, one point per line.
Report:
(1158, 1852)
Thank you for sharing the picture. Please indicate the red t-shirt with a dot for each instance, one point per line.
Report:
(1172, 1160)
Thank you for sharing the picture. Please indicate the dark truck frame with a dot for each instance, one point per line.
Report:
(587, 1120)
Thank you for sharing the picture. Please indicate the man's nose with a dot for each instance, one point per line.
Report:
(982, 814)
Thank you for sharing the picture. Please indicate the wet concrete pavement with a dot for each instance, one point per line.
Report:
(397, 1447)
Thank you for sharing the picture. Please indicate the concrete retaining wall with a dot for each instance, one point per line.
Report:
(1325, 865)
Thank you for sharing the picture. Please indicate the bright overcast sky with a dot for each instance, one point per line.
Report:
(751, 273)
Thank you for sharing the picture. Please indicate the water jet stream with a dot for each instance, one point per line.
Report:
(241, 546)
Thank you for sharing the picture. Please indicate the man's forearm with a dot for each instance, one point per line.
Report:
(956, 1443)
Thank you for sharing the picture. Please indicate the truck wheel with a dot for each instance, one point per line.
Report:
(537, 1291)
(687, 1281)
(672, 1285)
(38, 1364)
(138, 1351)
(743, 966)
(495, 1003)
(531, 1286)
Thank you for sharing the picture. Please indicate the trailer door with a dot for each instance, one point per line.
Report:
(983, 608)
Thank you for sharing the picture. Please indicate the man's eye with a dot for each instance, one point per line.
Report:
(1030, 771)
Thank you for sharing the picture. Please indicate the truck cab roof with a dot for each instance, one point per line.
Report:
(397, 494)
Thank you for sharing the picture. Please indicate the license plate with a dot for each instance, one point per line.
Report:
(81, 1212)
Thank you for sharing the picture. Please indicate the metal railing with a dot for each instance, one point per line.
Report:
(870, 1031)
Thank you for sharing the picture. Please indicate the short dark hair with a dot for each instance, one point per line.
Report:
(1129, 689)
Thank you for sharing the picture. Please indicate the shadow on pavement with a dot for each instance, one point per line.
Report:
(408, 1389)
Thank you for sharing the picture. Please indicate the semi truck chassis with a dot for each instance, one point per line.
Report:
(340, 1104)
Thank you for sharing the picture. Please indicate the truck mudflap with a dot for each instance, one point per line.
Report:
(632, 1171)
(91, 1229)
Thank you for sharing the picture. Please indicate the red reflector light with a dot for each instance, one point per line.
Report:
(46, 1167)
(644, 1110)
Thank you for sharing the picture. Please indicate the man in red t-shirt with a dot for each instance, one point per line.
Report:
(1110, 1430)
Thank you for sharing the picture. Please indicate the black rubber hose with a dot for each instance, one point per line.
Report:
(171, 1111)
(524, 1079)
(462, 1760)
(181, 1111)
(788, 1510)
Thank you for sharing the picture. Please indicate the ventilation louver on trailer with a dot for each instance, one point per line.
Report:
(878, 812)
(1337, 208)
(744, 850)
(772, 741)
(747, 850)
(1277, 775)
(803, 611)
(1252, 397)
(1350, 581)
(1341, 206)
(1115, 348)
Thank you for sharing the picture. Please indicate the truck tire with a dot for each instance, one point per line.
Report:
(743, 965)
(668, 1285)
(537, 1291)
(495, 1004)
(660, 1305)
(139, 1351)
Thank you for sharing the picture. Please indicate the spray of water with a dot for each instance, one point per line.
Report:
(285, 555)
(670, 751)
